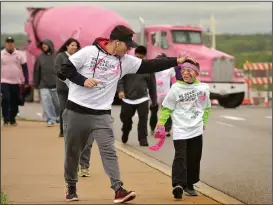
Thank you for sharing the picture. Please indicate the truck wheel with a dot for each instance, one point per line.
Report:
(232, 100)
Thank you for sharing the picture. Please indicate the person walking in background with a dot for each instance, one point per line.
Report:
(132, 89)
(12, 64)
(45, 79)
(164, 81)
(70, 47)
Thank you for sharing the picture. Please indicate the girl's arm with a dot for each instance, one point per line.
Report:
(206, 115)
(165, 113)
(207, 109)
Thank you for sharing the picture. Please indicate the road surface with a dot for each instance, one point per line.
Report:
(237, 152)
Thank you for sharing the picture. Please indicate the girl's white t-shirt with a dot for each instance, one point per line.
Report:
(188, 102)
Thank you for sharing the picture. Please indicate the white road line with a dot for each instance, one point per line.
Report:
(268, 117)
(223, 123)
(232, 117)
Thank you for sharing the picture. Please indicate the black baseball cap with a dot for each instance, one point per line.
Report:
(117, 34)
(9, 40)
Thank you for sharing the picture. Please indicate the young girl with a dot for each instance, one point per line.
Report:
(189, 104)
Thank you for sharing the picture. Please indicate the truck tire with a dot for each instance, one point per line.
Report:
(232, 100)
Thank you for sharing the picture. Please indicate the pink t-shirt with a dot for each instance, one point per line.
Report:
(11, 66)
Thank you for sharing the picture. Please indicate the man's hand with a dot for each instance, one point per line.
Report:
(154, 104)
(26, 85)
(90, 83)
(121, 95)
(204, 127)
(154, 107)
(181, 60)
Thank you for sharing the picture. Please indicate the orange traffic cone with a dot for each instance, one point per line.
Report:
(246, 101)
(251, 101)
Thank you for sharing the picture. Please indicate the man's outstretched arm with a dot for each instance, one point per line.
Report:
(156, 65)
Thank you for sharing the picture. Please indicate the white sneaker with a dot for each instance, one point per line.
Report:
(84, 172)
(49, 124)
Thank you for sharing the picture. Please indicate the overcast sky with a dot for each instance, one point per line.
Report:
(233, 17)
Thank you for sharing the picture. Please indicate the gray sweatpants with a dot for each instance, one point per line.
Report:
(77, 129)
(86, 153)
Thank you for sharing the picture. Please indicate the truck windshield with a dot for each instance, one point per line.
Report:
(186, 37)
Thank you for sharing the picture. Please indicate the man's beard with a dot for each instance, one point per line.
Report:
(10, 50)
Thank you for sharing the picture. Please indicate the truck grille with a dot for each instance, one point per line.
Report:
(222, 69)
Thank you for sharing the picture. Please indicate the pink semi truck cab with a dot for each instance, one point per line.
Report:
(217, 68)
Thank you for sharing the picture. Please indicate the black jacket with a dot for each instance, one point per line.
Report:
(135, 86)
(59, 60)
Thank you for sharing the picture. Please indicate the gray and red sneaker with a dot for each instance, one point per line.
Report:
(123, 195)
(71, 194)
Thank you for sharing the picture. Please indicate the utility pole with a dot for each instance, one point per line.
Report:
(142, 31)
(212, 31)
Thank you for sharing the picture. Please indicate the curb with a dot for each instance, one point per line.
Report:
(204, 189)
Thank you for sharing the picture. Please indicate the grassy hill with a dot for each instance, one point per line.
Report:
(254, 47)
